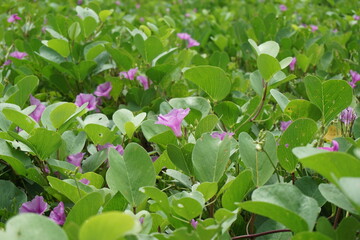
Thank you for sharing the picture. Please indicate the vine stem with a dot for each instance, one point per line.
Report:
(260, 234)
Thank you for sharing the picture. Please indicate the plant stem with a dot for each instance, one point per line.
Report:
(293, 177)
(276, 171)
(337, 217)
(211, 207)
(261, 234)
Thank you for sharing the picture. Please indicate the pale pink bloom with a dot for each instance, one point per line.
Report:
(144, 81)
(292, 64)
(194, 223)
(284, 125)
(334, 148)
(184, 36)
(117, 3)
(118, 148)
(18, 55)
(314, 28)
(282, 7)
(58, 214)
(192, 43)
(138, 5)
(37, 205)
(13, 18)
(85, 181)
(103, 90)
(129, 74)
(76, 159)
(356, 17)
(83, 98)
(37, 113)
(222, 135)
(174, 119)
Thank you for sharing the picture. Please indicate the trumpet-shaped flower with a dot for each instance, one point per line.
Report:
(284, 125)
(355, 77)
(37, 205)
(222, 135)
(348, 116)
(292, 64)
(192, 43)
(144, 81)
(76, 159)
(83, 98)
(37, 113)
(58, 214)
(18, 55)
(334, 148)
(13, 18)
(118, 148)
(103, 90)
(174, 119)
(129, 74)
(282, 7)
(184, 36)
(194, 223)
(314, 28)
(84, 181)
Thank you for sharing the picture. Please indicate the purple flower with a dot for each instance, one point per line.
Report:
(184, 36)
(141, 19)
(187, 15)
(7, 62)
(141, 220)
(117, 3)
(118, 148)
(282, 7)
(335, 30)
(222, 135)
(83, 98)
(348, 116)
(194, 223)
(138, 5)
(174, 119)
(84, 181)
(103, 90)
(314, 28)
(144, 81)
(284, 125)
(18, 55)
(356, 17)
(79, 2)
(58, 214)
(154, 158)
(192, 43)
(13, 18)
(36, 114)
(129, 74)
(75, 159)
(334, 148)
(355, 77)
(292, 64)
(37, 205)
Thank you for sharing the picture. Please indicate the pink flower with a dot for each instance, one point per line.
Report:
(13, 18)
(192, 43)
(103, 90)
(194, 223)
(7, 62)
(37, 113)
(355, 77)
(37, 205)
(144, 81)
(129, 74)
(118, 148)
(76, 159)
(334, 148)
(84, 181)
(18, 55)
(79, 2)
(348, 116)
(282, 7)
(314, 28)
(356, 17)
(138, 5)
(58, 214)
(222, 135)
(83, 98)
(284, 125)
(184, 36)
(117, 3)
(187, 15)
(174, 119)
(292, 64)
(141, 19)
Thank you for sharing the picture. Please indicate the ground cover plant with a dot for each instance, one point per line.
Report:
(179, 119)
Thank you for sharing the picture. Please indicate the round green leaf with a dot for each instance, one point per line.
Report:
(59, 45)
(300, 108)
(212, 80)
(267, 66)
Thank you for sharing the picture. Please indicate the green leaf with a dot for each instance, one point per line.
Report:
(86, 12)
(116, 203)
(122, 58)
(299, 133)
(348, 228)
(94, 161)
(238, 190)
(333, 165)
(331, 96)
(188, 205)
(178, 158)
(180, 177)
(61, 113)
(207, 124)
(228, 112)
(208, 189)
(300, 108)
(280, 98)
(25, 87)
(18, 160)
(85, 208)
(261, 166)
(310, 236)
(102, 226)
(212, 80)
(89, 25)
(267, 66)
(68, 190)
(23, 121)
(270, 47)
(99, 134)
(285, 62)
(158, 133)
(123, 116)
(159, 196)
(309, 187)
(104, 14)
(33, 226)
(59, 45)
(44, 142)
(152, 48)
(286, 204)
(129, 173)
(74, 30)
(210, 157)
(11, 197)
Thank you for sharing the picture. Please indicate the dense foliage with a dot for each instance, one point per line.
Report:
(179, 119)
